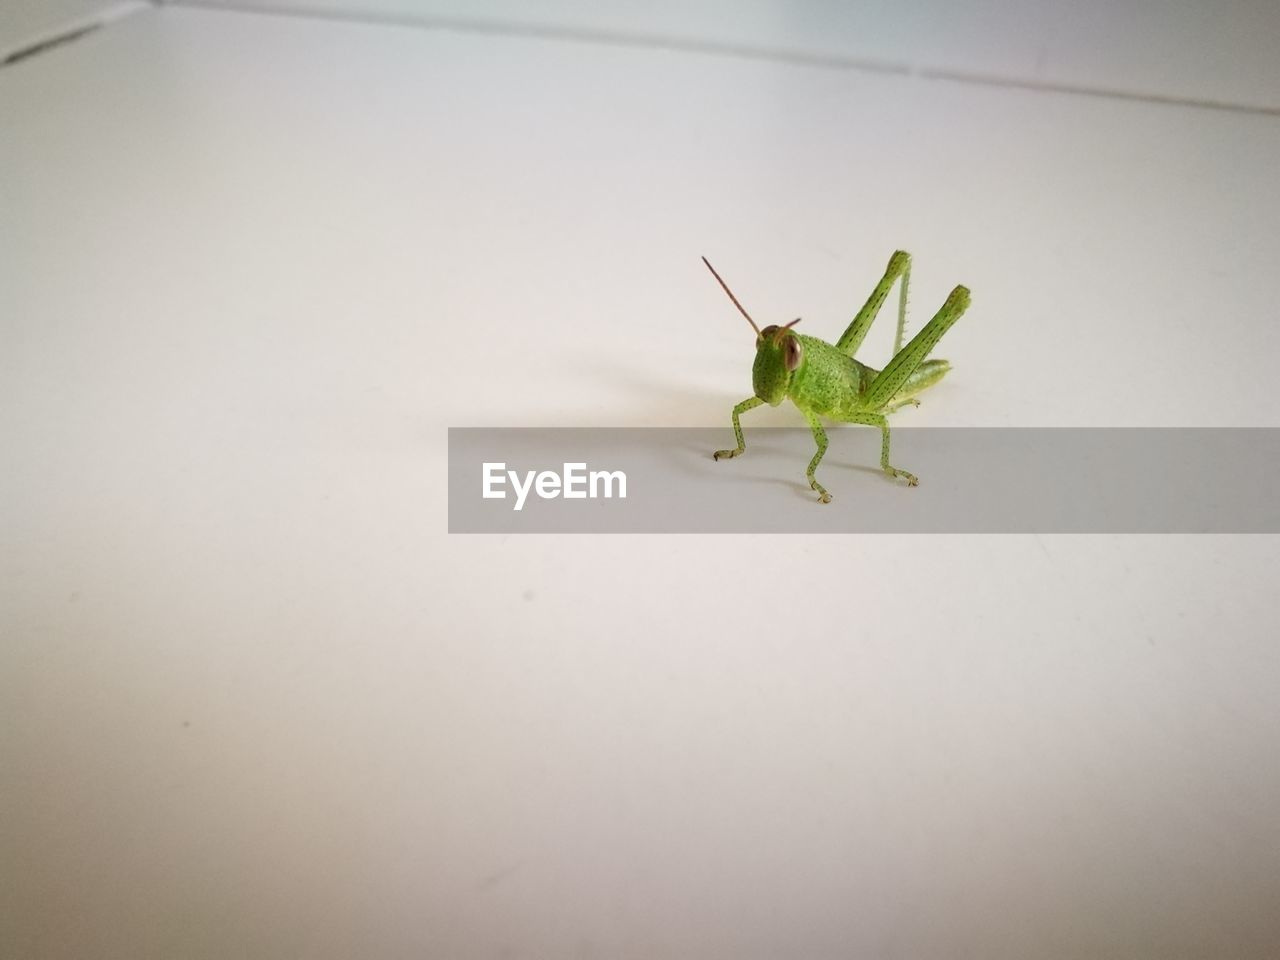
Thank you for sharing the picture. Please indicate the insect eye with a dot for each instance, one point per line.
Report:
(792, 352)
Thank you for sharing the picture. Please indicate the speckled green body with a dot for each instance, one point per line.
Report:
(825, 381)
(835, 385)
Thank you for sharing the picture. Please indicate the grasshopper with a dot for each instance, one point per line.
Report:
(826, 381)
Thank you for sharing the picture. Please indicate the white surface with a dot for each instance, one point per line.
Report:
(1208, 50)
(254, 700)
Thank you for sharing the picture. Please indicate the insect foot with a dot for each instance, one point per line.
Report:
(725, 454)
(823, 496)
(911, 478)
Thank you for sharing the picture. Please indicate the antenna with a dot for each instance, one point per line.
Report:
(725, 286)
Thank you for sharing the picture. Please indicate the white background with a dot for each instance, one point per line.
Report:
(254, 700)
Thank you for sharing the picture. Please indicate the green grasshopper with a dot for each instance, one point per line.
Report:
(825, 381)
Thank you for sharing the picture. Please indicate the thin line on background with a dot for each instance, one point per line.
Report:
(719, 48)
(71, 31)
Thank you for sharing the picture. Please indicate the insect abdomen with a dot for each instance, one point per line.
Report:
(923, 377)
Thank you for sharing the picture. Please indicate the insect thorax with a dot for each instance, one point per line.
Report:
(828, 380)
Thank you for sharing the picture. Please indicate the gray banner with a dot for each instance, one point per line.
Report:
(1001, 480)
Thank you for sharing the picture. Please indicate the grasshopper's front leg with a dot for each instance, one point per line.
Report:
(749, 404)
(820, 437)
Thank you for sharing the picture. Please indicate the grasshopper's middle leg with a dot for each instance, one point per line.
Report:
(820, 437)
(749, 404)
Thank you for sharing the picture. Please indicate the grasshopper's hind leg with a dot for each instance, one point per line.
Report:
(877, 420)
(749, 404)
(899, 266)
(896, 377)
